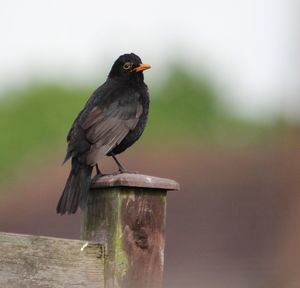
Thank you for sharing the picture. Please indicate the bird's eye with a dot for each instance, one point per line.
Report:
(127, 65)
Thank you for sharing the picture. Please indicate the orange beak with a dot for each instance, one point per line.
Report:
(142, 67)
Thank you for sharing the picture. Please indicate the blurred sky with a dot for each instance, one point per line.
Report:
(251, 47)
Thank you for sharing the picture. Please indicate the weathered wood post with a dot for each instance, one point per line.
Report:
(127, 214)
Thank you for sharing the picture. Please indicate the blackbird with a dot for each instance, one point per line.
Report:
(113, 118)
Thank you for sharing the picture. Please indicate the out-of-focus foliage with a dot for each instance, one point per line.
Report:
(35, 117)
(185, 105)
(187, 108)
(184, 109)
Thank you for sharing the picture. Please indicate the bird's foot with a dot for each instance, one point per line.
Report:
(123, 171)
(97, 176)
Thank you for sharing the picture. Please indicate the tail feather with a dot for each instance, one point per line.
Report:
(76, 190)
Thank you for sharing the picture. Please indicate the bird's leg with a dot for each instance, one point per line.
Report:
(122, 169)
(98, 173)
(98, 170)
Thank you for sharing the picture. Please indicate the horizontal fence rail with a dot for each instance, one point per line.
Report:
(35, 261)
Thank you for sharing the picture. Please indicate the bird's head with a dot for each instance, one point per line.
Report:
(127, 67)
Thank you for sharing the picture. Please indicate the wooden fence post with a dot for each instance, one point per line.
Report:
(127, 213)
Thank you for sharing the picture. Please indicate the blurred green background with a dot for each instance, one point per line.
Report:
(185, 110)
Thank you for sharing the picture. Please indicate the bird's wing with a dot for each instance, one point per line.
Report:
(106, 128)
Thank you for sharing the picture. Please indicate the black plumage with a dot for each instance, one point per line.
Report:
(113, 118)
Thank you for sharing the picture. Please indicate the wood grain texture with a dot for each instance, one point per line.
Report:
(135, 180)
(35, 262)
(130, 223)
